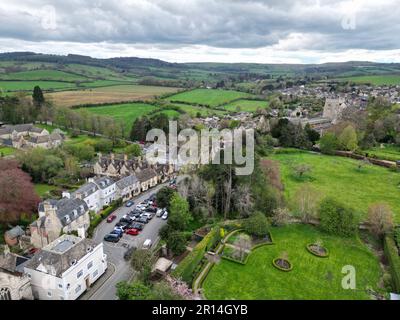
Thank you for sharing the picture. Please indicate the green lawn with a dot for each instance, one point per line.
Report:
(208, 97)
(43, 189)
(246, 105)
(388, 152)
(7, 151)
(374, 80)
(339, 177)
(311, 277)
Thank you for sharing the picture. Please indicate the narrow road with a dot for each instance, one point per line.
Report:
(115, 251)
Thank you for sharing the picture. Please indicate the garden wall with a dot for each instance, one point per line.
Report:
(392, 254)
(186, 269)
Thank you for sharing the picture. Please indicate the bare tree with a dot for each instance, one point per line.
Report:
(243, 245)
(306, 202)
(302, 169)
(242, 200)
(380, 219)
(281, 217)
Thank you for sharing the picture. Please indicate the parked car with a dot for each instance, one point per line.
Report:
(118, 231)
(159, 212)
(122, 225)
(111, 218)
(143, 220)
(111, 238)
(151, 209)
(148, 215)
(132, 232)
(125, 220)
(135, 212)
(130, 203)
(165, 216)
(137, 226)
(147, 244)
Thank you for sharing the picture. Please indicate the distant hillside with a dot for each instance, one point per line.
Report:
(20, 66)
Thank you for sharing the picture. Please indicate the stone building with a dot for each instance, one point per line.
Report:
(14, 284)
(59, 216)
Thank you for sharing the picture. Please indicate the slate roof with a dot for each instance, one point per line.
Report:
(7, 129)
(12, 263)
(57, 263)
(15, 232)
(67, 210)
(6, 142)
(146, 174)
(126, 182)
(86, 190)
(104, 182)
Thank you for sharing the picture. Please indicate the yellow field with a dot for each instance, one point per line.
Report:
(110, 94)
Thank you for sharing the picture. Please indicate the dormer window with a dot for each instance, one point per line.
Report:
(67, 219)
(73, 262)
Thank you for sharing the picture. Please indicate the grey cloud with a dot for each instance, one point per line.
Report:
(216, 23)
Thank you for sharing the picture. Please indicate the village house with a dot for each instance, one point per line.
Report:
(12, 236)
(148, 178)
(66, 268)
(28, 136)
(14, 284)
(59, 216)
(97, 193)
(127, 188)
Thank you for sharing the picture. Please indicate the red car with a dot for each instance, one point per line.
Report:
(111, 218)
(132, 232)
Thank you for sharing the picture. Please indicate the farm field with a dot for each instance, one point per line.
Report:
(340, 178)
(53, 75)
(388, 152)
(374, 80)
(208, 97)
(194, 110)
(311, 278)
(13, 86)
(110, 94)
(125, 113)
(246, 105)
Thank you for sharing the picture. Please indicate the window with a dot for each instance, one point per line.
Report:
(80, 274)
(60, 285)
(95, 273)
(49, 293)
(78, 288)
(90, 264)
(29, 276)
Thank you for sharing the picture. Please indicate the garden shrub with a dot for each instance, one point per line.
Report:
(186, 268)
(337, 219)
(392, 254)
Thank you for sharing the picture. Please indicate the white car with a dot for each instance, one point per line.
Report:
(147, 244)
(165, 216)
(159, 213)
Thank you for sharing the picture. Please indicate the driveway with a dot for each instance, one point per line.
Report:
(115, 251)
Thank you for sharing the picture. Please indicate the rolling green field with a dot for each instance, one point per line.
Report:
(194, 110)
(374, 80)
(341, 179)
(311, 278)
(29, 85)
(125, 113)
(53, 75)
(389, 152)
(246, 105)
(208, 97)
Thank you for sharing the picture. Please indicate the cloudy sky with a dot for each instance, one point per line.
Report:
(264, 31)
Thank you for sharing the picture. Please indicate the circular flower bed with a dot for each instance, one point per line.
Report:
(282, 264)
(318, 250)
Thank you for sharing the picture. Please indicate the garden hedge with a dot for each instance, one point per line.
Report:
(186, 268)
(392, 254)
